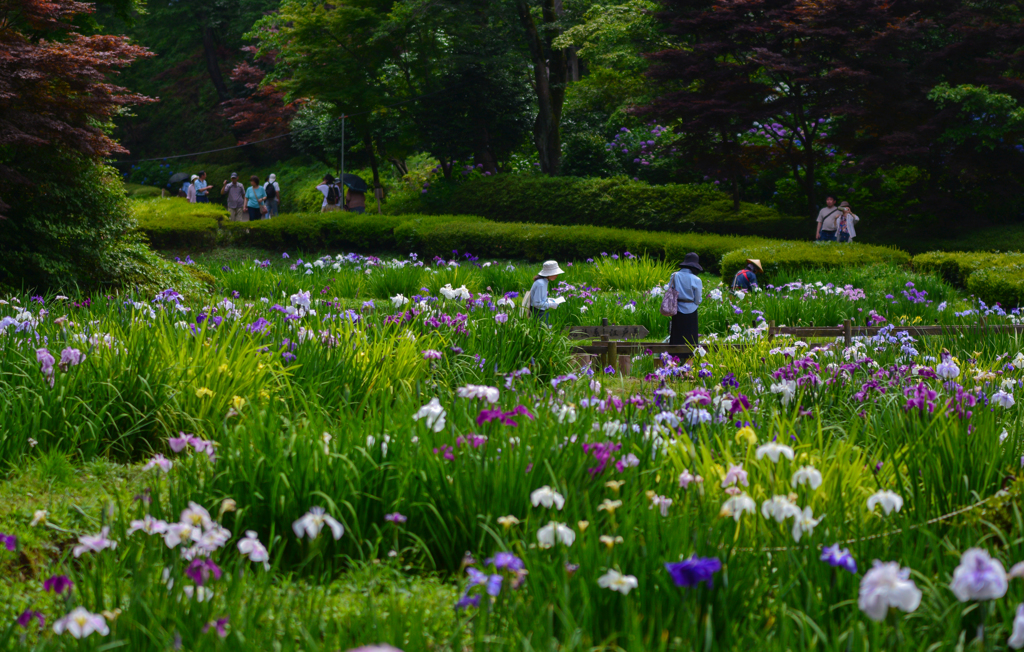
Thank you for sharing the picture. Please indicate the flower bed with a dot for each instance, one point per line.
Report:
(359, 426)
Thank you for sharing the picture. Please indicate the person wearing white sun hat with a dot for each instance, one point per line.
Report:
(539, 302)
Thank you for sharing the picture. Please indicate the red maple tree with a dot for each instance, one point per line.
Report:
(264, 113)
(54, 82)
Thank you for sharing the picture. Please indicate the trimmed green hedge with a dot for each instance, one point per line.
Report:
(176, 223)
(793, 256)
(992, 277)
(617, 202)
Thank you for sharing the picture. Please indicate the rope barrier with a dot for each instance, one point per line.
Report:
(881, 535)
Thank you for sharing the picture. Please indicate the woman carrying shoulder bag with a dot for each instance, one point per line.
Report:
(688, 289)
(255, 195)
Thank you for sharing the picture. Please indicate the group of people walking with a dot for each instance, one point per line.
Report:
(245, 203)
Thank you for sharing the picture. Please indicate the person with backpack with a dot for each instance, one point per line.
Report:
(331, 193)
(273, 191)
(746, 278)
(685, 289)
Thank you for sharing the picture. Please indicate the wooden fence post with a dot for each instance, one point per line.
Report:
(613, 355)
(848, 332)
(771, 330)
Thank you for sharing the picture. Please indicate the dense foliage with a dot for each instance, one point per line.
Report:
(203, 473)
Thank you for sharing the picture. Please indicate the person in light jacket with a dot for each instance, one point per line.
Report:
(539, 301)
(845, 231)
(190, 194)
(688, 289)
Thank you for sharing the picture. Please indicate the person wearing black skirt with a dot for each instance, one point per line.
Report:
(688, 288)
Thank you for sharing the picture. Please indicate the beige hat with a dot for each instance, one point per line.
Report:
(757, 263)
(550, 268)
(194, 177)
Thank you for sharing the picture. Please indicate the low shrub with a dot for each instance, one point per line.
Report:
(793, 256)
(174, 222)
(541, 241)
(1003, 284)
(616, 202)
(992, 277)
(957, 266)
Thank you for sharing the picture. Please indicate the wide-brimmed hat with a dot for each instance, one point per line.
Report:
(550, 268)
(692, 261)
(194, 177)
(756, 263)
(844, 204)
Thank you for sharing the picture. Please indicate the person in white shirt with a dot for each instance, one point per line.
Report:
(332, 195)
(273, 190)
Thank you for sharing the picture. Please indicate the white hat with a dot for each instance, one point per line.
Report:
(272, 178)
(550, 268)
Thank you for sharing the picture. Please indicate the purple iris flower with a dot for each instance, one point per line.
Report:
(693, 571)
(200, 571)
(25, 619)
(220, 624)
(506, 561)
(58, 584)
(258, 326)
(9, 541)
(467, 601)
(840, 558)
(396, 518)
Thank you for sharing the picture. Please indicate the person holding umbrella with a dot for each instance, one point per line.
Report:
(688, 291)
(355, 195)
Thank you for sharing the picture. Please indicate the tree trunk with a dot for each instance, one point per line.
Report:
(549, 78)
(812, 205)
(212, 65)
(368, 144)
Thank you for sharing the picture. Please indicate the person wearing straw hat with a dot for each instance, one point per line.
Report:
(538, 298)
(688, 291)
(746, 278)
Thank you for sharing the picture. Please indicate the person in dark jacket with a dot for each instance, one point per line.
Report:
(688, 290)
(746, 278)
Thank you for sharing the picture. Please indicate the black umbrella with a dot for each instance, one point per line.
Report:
(179, 177)
(354, 183)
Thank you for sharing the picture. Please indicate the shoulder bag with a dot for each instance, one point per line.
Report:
(670, 300)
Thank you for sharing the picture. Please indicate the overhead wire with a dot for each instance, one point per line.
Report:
(344, 116)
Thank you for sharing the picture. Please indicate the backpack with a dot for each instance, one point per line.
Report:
(670, 300)
(271, 190)
(333, 196)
